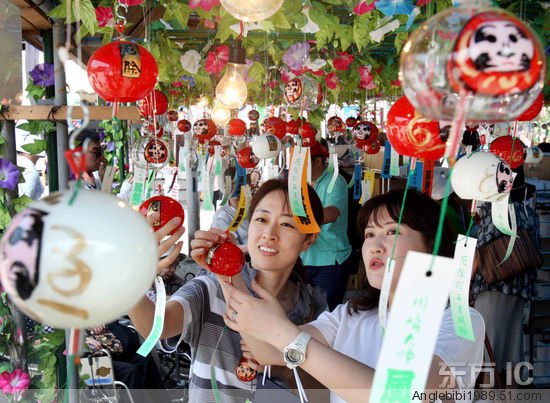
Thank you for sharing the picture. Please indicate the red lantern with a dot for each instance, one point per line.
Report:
(372, 147)
(413, 136)
(156, 151)
(155, 103)
(184, 125)
(495, 54)
(365, 131)
(236, 127)
(336, 125)
(167, 207)
(308, 132)
(122, 72)
(350, 122)
(204, 129)
(153, 128)
(293, 127)
(509, 149)
(226, 259)
(246, 158)
(172, 115)
(535, 108)
(275, 126)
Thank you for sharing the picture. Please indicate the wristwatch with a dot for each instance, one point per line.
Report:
(295, 353)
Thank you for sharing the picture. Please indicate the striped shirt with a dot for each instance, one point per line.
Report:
(216, 349)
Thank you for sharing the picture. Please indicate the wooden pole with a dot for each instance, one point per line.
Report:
(50, 112)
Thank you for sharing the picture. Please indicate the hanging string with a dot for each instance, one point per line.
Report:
(442, 214)
(411, 173)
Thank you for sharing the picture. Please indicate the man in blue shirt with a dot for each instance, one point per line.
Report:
(327, 260)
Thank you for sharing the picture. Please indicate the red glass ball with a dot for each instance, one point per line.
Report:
(236, 127)
(184, 125)
(155, 103)
(307, 131)
(122, 72)
(372, 147)
(246, 158)
(244, 372)
(293, 127)
(413, 136)
(275, 126)
(535, 108)
(167, 207)
(350, 122)
(204, 129)
(172, 115)
(254, 115)
(503, 146)
(225, 259)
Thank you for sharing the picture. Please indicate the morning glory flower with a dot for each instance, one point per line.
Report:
(43, 74)
(9, 175)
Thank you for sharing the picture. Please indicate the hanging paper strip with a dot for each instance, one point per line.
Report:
(427, 177)
(158, 321)
(242, 208)
(416, 176)
(306, 223)
(385, 174)
(335, 171)
(297, 166)
(394, 163)
(207, 186)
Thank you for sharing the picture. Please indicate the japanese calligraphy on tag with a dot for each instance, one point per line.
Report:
(131, 60)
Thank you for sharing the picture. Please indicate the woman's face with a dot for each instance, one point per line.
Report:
(274, 241)
(378, 244)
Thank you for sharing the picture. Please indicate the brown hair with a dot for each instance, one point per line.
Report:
(421, 213)
(273, 185)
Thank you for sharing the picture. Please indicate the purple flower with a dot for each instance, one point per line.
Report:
(9, 175)
(43, 74)
(110, 146)
(296, 55)
(101, 135)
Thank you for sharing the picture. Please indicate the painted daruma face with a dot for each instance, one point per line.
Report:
(293, 90)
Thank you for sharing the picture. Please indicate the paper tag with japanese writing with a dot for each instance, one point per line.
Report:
(335, 171)
(427, 177)
(369, 179)
(499, 215)
(138, 183)
(413, 326)
(394, 163)
(385, 293)
(242, 208)
(208, 205)
(514, 230)
(217, 160)
(158, 321)
(306, 223)
(465, 250)
(130, 60)
(297, 163)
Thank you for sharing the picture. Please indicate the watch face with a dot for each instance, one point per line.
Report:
(295, 355)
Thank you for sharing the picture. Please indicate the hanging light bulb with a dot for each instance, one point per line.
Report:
(220, 114)
(231, 90)
(252, 10)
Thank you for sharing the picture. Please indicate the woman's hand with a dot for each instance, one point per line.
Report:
(252, 363)
(171, 243)
(203, 241)
(261, 318)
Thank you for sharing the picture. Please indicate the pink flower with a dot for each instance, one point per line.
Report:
(273, 84)
(342, 61)
(104, 16)
(396, 83)
(421, 3)
(216, 60)
(286, 75)
(366, 78)
(332, 80)
(132, 2)
(16, 381)
(362, 7)
(206, 5)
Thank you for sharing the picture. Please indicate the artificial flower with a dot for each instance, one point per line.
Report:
(366, 81)
(286, 75)
(332, 80)
(396, 83)
(412, 17)
(342, 61)
(247, 26)
(392, 7)
(421, 3)
(206, 5)
(104, 17)
(131, 2)
(43, 74)
(296, 55)
(311, 27)
(9, 175)
(191, 61)
(110, 147)
(217, 59)
(362, 7)
(16, 381)
(378, 34)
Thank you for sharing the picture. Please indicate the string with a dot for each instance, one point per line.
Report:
(411, 173)
(442, 214)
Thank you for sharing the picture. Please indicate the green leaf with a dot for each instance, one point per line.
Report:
(35, 148)
(5, 219)
(256, 73)
(400, 40)
(344, 33)
(361, 30)
(87, 14)
(21, 203)
(279, 20)
(224, 31)
(81, 33)
(178, 11)
(59, 12)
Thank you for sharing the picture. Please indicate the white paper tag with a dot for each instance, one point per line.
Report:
(335, 171)
(465, 250)
(158, 321)
(295, 180)
(413, 327)
(385, 293)
(394, 163)
(499, 215)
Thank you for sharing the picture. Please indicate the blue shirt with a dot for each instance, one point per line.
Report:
(332, 245)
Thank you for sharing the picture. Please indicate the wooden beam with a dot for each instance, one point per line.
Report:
(45, 112)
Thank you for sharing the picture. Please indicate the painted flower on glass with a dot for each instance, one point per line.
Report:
(43, 74)
(104, 16)
(332, 80)
(366, 78)
(9, 175)
(217, 59)
(342, 61)
(362, 7)
(206, 5)
(16, 381)
(296, 55)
